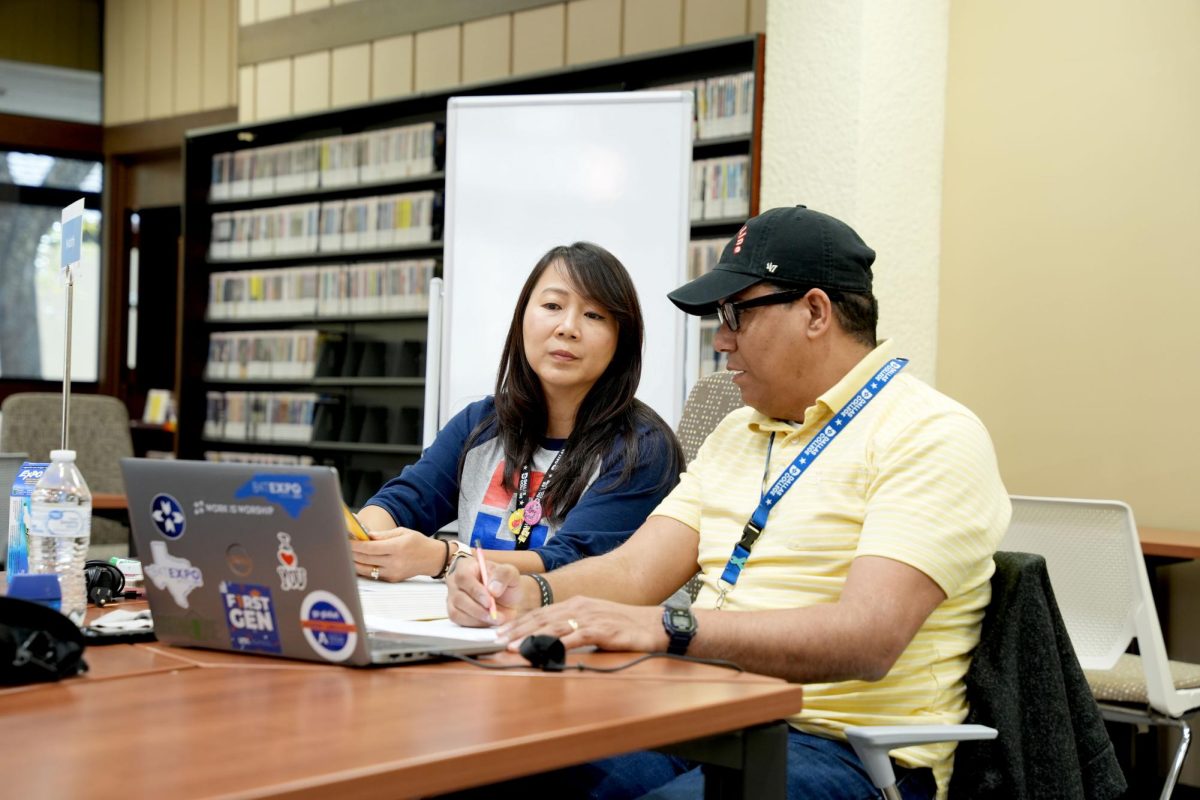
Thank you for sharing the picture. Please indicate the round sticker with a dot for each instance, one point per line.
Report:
(167, 515)
(515, 520)
(533, 512)
(328, 626)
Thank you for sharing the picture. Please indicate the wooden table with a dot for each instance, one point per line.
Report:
(108, 501)
(1169, 544)
(157, 721)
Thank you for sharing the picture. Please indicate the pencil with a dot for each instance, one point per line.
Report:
(483, 576)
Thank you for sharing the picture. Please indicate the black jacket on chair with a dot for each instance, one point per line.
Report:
(1026, 682)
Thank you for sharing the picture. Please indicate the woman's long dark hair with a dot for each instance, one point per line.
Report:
(609, 412)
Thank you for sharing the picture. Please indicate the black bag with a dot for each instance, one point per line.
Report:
(37, 644)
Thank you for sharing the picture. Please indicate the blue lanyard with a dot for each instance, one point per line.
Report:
(771, 497)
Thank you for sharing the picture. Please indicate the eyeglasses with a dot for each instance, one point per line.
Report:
(729, 313)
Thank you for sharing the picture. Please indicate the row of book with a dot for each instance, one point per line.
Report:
(263, 355)
(723, 107)
(335, 290)
(305, 417)
(703, 255)
(364, 223)
(720, 188)
(273, 459)
(261, 416)
(329, 163)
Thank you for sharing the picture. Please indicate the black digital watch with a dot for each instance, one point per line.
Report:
(680, 626)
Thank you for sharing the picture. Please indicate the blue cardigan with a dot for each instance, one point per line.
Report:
(427, 495)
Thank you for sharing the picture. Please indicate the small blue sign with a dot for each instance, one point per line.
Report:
(292, 493)
(250, 616)
(72, 241)
(167, 515)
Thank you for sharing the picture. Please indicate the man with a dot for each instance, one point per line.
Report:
(879, 502)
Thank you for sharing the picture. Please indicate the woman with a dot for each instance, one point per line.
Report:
(561, 463)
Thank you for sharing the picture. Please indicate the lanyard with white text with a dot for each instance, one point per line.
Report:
(772, 496)
(528, 513)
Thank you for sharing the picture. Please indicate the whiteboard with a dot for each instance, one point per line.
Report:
(526, 173)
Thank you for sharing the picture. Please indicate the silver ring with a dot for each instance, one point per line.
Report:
(574, 625)
(375, 573)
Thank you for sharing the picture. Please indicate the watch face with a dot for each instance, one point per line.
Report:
(682, 620)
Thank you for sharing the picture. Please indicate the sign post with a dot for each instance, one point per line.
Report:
(72, 249)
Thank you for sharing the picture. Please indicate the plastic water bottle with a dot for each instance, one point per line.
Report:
(60, 527)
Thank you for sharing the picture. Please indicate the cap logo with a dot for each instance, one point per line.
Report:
(771, 267)
(741, 237)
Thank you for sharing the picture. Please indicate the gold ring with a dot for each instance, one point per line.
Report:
(375, 573)
(574, 625)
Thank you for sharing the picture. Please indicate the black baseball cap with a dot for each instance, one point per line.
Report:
(796, 246)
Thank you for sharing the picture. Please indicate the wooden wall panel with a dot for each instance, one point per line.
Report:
(114, 46)
(705, 20)
(310, 83)
(273, 9)
(304, 6)
(487, 49)
(651, 25)
(219, 80)
(134, 63)
(273, 89)
(189, 16)
(391, 67)
(593, 30)
(246, 105)
(160, 59)
(437, 60)
(351, 79)
(539, 39)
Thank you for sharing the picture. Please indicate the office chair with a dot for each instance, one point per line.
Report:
(1025, 683)
(1099, 576)
(32, 422)
(709, 401)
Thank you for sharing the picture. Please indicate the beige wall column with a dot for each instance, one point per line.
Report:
(852, 125)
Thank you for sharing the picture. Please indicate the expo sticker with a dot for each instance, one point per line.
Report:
(167, 515)
(250, 616)
(292, 493)
(173, 574)
(328, 626)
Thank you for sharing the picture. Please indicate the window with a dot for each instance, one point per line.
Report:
(34, 188)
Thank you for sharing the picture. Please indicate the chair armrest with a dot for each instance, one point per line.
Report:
(872, 744)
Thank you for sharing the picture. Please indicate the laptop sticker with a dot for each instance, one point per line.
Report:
(167, 515)
(172, 574)
(239, 560)
(250, 616)
(328, 626)
(198, 630)
(292, 493)
(292, 576)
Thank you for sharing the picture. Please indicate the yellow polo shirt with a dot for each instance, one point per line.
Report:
(913, 478)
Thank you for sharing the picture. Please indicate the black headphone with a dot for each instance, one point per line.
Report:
(105, 582)
(544, 652)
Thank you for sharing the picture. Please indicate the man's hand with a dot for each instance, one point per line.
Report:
(467, 599)
(399, 553)
(583, 621)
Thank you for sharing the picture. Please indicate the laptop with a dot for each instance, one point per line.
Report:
(254, 558)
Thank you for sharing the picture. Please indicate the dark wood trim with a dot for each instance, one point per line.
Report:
(760, 78)
(158, 135)
(362, 22)
(113, 313)
(51, 136)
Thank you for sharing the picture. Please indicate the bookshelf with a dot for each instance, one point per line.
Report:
(308, 244)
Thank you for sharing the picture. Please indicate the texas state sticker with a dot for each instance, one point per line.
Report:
(328, 626)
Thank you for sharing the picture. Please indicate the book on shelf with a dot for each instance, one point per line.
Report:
(332, 162)
(276, 459)
(703, 255)
(335, 290)
(285, 417)
(720, 188)
(722, 106)
(332, 226)
(263, 355)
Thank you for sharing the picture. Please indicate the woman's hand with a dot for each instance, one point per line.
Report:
(398, 553)
(582, 621)
(467, 600)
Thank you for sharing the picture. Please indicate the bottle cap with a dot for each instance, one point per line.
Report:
(62, 455)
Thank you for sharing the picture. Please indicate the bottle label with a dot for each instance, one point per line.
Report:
(48, 519)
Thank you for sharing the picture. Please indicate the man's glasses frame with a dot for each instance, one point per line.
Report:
(729, 313)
